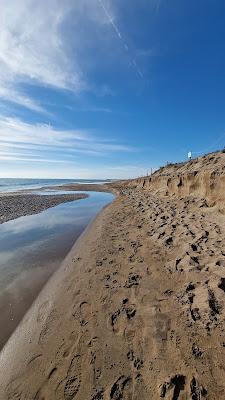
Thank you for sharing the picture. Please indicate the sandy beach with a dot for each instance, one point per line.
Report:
(137, 309)
(112, 200)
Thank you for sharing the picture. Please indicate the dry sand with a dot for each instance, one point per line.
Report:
(137, 310)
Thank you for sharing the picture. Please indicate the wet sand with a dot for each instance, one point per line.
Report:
(105, 187)
(136, 311)
(31, 250)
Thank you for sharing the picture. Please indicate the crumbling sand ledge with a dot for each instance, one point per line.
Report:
(203, 177)
(137, 310)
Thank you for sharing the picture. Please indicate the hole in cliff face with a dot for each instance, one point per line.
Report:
(180, 183)
(168, 182)
(220, 263)
(213, 303)
(169, 240)
(195, 314)
(222, 284)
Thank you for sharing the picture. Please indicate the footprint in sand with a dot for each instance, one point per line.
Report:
(121, 389)
(49, 326)
(73, 379)
(70, 386)
(119, 319)
(96, 356)
(83, 312)
(177, 388)
(42, 311)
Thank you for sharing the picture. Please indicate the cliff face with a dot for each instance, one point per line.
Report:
(203, 177)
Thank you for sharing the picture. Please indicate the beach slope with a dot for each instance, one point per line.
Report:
(137, 309)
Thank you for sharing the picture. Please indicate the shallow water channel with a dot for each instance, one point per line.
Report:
(33, 247)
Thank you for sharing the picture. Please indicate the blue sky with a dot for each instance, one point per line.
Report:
(109, 88)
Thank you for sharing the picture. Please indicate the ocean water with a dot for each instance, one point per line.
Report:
(14, 184)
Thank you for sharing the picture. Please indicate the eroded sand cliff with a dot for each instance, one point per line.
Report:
(203, 177)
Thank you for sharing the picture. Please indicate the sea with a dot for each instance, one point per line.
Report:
(14, 184)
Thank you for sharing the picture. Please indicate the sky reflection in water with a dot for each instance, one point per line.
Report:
(33, 247)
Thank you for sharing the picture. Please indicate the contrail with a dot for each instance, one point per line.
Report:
(116, 29)
(110, 20)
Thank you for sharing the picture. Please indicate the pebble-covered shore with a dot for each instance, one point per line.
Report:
(15, 206)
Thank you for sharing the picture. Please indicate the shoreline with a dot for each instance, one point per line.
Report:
(87, 187)
(20, 205)
(19, 342)
(35, 265)
(136, 310)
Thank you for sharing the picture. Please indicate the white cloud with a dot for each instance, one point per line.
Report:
(58, 44)
(44, 43)
(31, 45)
(75, 171)
(15, 130)
(32, 159)
(29, 142)
(12, 95)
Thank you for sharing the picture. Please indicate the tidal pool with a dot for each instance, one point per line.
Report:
(33, 247)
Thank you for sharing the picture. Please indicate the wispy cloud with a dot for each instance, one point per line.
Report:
(12, 95)
(20, 141)
(41, 43)
(31, 43)
(133, 61)
(32, 159)
(51, 43)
